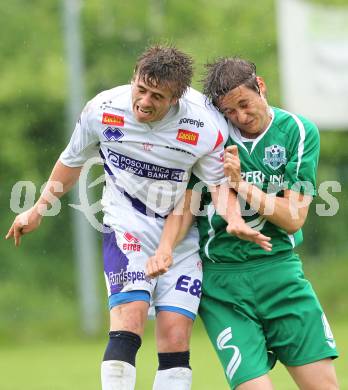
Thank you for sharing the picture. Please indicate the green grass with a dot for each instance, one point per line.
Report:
(74, 364)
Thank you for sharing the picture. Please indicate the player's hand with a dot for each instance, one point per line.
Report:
(232, 165)
(158, 264)
(24, 223)
(239, 228)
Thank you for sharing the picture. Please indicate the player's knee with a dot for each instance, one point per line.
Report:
(168, 360)
(129, 317)
(174, 337)
(176, 340)
(122, 346)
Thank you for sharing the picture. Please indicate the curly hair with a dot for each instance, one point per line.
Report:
(227, 73)
(161, 65)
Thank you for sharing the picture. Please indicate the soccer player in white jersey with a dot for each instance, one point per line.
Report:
(151, 136)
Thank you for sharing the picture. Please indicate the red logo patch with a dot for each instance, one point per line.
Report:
(187, 136)
(113, 120)
(130, 238)
(132, 244)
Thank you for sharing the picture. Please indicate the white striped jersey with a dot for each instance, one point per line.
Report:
(148, 165)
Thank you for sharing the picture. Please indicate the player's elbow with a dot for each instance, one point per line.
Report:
(294, 225)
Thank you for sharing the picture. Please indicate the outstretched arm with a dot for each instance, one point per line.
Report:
(61, 180)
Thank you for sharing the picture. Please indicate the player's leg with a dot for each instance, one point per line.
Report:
(176, 299)
(127, 323)
(124, 265)
(229, 313)
(173, 332)
(297, 329)
(261, 383)
(320, 375)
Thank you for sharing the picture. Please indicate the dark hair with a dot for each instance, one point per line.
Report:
(161, 65)
(227, 73)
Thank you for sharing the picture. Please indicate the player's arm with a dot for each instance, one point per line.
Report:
(61, 180)
(160, 262)
(288, 212)
(226, 204)
(190, 209)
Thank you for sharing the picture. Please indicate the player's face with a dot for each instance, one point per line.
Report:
(247, 110)
(150, 103)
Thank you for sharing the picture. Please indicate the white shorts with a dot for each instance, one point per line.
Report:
(128, 242)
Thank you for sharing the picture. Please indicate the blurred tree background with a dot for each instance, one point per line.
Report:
(38, 294)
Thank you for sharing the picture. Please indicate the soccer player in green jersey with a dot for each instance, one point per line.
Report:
(257, 306)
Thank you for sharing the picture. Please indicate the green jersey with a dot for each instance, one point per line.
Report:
(284, 156)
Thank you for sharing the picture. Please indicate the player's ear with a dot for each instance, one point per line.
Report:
(174, 101)
(262, 85)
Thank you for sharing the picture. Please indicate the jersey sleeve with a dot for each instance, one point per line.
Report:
(301, 167)
(84, 142)
(209, 168)
(192, 182)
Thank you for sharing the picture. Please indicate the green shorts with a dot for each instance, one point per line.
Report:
(259, 312)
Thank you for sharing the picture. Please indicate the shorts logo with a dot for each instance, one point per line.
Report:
(113, 120)
(121, 278)
(328, 333)
(131, 244)
(113, 134)
(275, 156)
(187, 285)
(189, 137)
(200, 265)
(224, 337)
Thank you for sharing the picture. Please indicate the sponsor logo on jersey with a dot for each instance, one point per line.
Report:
(147, 146)
(180, 150)
(187, 136)
(132, 243)
(275, 156)
(113, 120)
(113, 134)
(196, 122)
(258, 177)
(144, 168)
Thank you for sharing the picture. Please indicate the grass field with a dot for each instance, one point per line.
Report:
(74, 364)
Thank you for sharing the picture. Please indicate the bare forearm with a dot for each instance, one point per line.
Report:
(61, 180)
(289, 212)
(171, 232)
(225, 202)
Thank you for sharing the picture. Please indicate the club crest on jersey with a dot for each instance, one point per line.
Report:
(275, 156)
(113, 134)
(187, 136)
(113, 120)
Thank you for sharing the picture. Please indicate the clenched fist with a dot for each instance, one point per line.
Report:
(232, 166)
